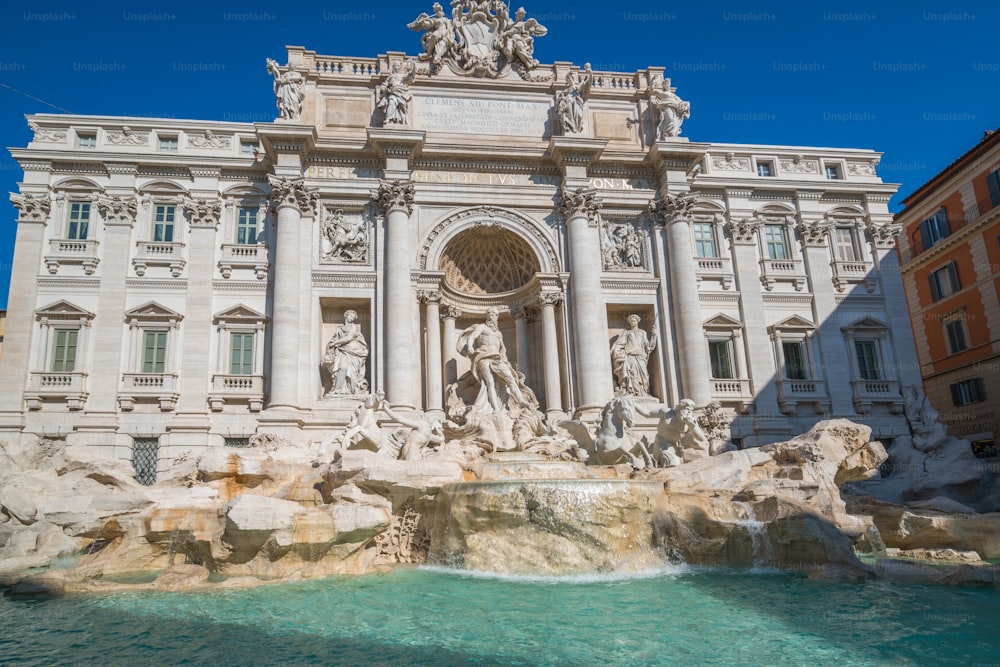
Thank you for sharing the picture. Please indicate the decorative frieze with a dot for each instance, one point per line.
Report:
(209, 140)
(730, 162)
(47, 135)
(797, 165)
(127, 137)
(862, 168)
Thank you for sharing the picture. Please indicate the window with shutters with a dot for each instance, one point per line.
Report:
(955, 333)
(241, 353)
(154, 351)
(968, 391)
(794, 353)
(64, 350)
(993, 182)
(721, 355)
(846, 244)
(869, 364)
(934, 229)
(944, 281)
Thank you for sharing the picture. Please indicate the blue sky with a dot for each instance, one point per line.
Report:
(918, 81)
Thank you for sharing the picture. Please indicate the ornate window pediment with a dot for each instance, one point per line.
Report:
(794, 323)
(866, 325)
(238, 315)
(153, 313)
(63, 311)
(721, 321)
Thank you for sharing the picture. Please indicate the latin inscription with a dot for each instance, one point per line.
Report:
(476, 178)
(480, 116)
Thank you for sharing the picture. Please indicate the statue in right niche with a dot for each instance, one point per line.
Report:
(630, 358)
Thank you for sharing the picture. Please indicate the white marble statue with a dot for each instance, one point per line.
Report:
(630, 358)
(671, 110)
(517, 38)
(679, 438)
(612, 441)
(288, 91)
(393, 95)
(346, 358)
(570, 101)
(439, 38)
(425, 433)
(483, 345)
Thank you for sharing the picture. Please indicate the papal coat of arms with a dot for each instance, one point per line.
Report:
(480, 39)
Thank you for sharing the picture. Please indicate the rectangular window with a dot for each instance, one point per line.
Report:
(241, 354)
(247, 147)
(168, 144)
(246, 226)
(145, 453)
(163, 223)
(833, 172)
(79, 220)
(993, 182)
(868, 362)
(154, 351)
(944, 282)
(721, 356)
(934, 229)
(955, 332)
(774, 237)
(846, 246)
(795, 359)
(64, 351)
(968, 391)
(86, 141)
(704, 239)
(765, 169)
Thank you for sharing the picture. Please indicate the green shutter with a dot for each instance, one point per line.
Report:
(64, 351)
(154, 352)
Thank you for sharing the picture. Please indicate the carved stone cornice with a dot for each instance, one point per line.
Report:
(814, 233)
(395, 196)
(672, 208)
(203, 212)
(126, 168)
(883, 235)
(449, 312)
(31, 208)
(550, 299)
(582, 202)
(292, 192)
(430, 296)
(743, 232)
(117, 210)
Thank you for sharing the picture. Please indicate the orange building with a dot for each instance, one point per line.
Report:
(950, 260)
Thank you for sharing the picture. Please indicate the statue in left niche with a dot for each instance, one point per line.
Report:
(392, 97)
(346, 357)
(289, 91)
(630, 358)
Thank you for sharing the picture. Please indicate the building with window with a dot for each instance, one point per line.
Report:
(950, 251)
(179, 281)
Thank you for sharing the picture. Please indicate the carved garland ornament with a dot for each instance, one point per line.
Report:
(127, 137)
(43, 134)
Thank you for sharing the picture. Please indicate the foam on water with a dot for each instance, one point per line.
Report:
(569, 579)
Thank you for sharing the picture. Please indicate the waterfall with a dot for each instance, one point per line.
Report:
(763, 552)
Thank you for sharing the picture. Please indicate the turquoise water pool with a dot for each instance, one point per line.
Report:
(441, 617)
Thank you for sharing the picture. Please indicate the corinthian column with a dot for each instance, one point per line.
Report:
(432, 363)
(448, 316)
(396, 199)
(550, 352)
(590, 318)
(672, 211)
(291, 200)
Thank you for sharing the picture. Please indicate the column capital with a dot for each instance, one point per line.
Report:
(449, 312)
(883, 235)
(814, 233)
(429, 296)
(31, 208)
(582, 202)
(743, 232)
(395, 196)
(203, 212)
(292, 192)
(672, 208)
(552, 299)
(117, 210)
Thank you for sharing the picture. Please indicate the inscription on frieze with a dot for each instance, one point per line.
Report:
(480, 116)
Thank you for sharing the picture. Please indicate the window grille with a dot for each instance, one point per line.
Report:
(145, 452)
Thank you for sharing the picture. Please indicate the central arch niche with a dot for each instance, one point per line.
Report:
(488, 260)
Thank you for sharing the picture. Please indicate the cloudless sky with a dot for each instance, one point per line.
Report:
(919, 81)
